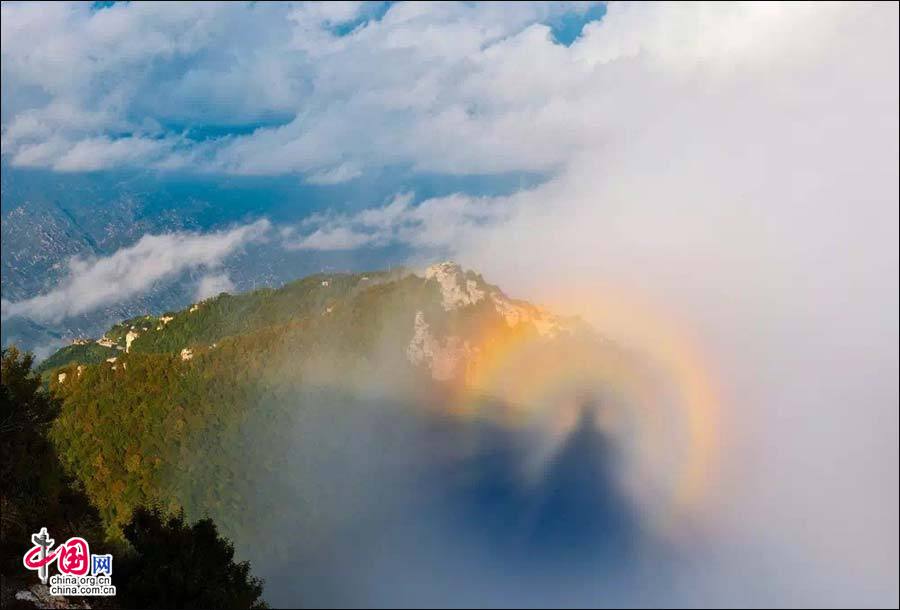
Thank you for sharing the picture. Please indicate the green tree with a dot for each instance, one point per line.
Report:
(34, 490)
(178, 565)
(168, 565)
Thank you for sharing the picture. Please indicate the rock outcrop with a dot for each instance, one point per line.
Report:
(449, 356)
(460, 288)
(445, 359)
(457, 290)
(129, 339)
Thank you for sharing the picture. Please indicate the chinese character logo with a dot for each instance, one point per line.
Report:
(101, 564)
(73, 558)
(39, 557)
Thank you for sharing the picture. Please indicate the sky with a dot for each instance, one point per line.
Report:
(718, 175)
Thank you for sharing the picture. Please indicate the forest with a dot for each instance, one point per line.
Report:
(153, 552)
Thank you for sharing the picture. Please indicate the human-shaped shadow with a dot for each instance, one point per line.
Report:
(576, 508)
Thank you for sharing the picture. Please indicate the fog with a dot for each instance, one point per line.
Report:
(388, 501)
(754, 209)
(743, 211)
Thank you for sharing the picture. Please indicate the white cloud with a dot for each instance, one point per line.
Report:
(744, 183)
(335, 175)
(94, 283)
(414, 88)
(432, 224)
(101, 152)
(336, 238)
(213, 285)
(733, 169)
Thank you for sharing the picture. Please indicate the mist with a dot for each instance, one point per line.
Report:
(382, 497)
(751, 205)
(732, 209)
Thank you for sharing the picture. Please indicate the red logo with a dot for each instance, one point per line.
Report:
(72, 558)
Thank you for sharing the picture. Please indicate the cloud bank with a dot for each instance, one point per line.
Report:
(744, 186)
(270, 88)
(213, 285)
(728, 175)
(95, 283)
(433, 224)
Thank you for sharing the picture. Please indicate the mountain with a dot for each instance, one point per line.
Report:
(50, 217)
(458, 303)
(330, 416)
(150, 403)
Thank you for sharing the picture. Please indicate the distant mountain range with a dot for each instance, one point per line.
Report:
(50, 217)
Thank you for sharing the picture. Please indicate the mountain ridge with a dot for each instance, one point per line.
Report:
(210, 320)
(160, 409)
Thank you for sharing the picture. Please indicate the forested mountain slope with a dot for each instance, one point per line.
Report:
(171, 410)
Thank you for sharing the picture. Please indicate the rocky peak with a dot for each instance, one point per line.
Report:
(447, 356)
(457, 290)
(460, 288)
